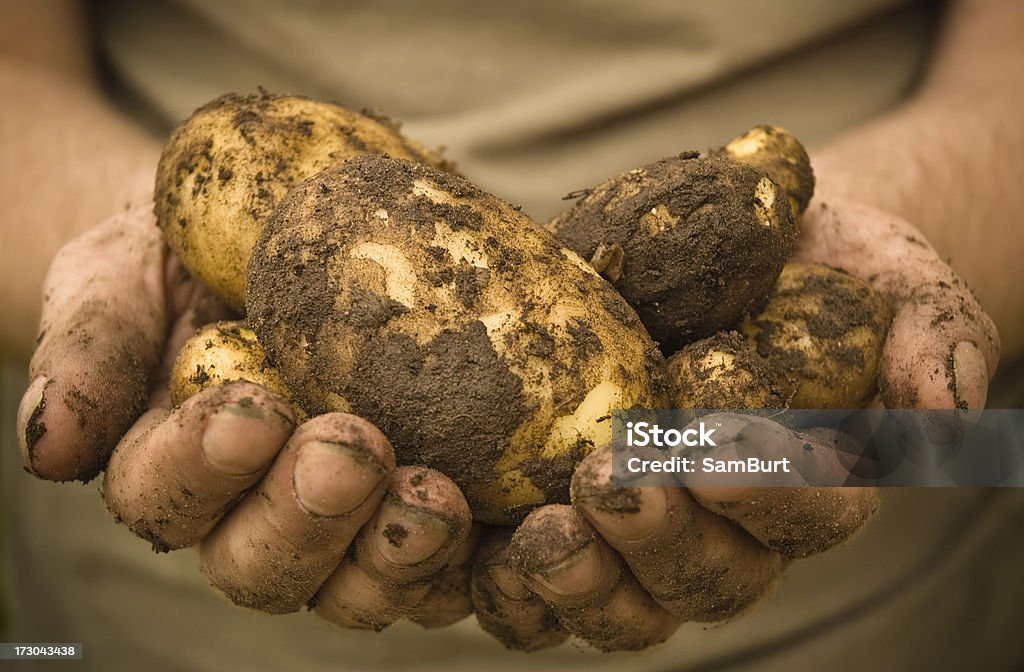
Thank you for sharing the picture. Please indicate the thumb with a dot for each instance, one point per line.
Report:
(936, 356)
(104, 321)
(942, 347)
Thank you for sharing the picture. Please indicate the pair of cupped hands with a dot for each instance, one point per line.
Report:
(317, 514)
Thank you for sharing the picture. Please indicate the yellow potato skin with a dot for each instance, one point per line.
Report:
(453, 322)
(220, 353)
(778, 153)
(822, 332)
(225, 168)
(722, 372)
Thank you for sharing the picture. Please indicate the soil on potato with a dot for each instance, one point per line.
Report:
(256, 117)
(713, 389)
(842, 308)
(443, 401)
(694, 257)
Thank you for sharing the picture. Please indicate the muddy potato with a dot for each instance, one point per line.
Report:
(225, 168)
(722, 372)
(222, 352)
(778, 153)
(822, 332)
(691, 242)
(454, 323)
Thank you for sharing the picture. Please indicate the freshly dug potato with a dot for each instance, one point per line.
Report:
(222, 352)
(225, 168)
(822, 332)
(778, 153)
(692, 243)
(454, 323)
(722, 372)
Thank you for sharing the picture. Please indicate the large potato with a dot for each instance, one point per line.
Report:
(225, 168)
(691, 242)
(453, 322)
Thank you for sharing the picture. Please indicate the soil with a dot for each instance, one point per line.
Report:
(395, 534)
(445, 401)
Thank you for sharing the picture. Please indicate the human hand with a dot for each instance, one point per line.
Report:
(273, 509)
(623, 567)
(942, 348)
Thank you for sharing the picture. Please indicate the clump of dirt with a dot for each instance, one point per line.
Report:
(395, 534)
(416, 410)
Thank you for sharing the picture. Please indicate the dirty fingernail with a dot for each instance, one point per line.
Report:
(240, 439)
(332, 480)
(406, 536)
(29, 424)
(509, 583)
(970, 376)
(578, 574)
(630, 514)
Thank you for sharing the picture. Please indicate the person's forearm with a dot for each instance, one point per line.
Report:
(68, 161)
(951, 160)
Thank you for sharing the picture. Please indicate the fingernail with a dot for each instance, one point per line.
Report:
(577, 574)
(406, 536)
(29, 424)
(241, 438)
(970, 376)
(331, 479)
(509, 583)
(630, 514)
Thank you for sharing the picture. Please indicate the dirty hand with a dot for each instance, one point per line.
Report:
(622, 568)
(274, 509)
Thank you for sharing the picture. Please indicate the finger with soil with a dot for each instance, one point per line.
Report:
(101, 335)
(422, 521)
(698, 565)
(585, 583)
(795, 522)
(942, 348)
(288, 534)
(449, 600)
(175, 474)
(505, 607)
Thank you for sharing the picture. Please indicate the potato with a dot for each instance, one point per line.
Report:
(449, 319)
(822, 332)
(778, 153)
(222, 352)
(722, 372)
(692, 243)
(225, 168)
